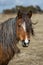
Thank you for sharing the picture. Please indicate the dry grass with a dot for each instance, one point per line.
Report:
(33, 55)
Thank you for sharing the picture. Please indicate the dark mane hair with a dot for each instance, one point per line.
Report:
(8, 40)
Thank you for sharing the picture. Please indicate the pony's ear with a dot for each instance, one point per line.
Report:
(29, 14)
(19, 14)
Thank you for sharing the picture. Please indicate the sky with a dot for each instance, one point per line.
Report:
(5, 4)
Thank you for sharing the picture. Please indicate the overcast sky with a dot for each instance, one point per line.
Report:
(4, 4)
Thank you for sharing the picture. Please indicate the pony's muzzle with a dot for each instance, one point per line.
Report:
(25, 44)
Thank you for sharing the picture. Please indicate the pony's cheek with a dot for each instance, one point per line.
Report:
(21, 37)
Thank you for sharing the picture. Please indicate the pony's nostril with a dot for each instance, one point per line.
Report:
(29, 41)
(24, 44)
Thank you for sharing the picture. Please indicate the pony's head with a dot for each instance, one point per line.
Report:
(24, 27)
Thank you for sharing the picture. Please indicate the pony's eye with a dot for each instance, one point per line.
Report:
(19, 25)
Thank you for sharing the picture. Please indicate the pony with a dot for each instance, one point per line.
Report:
(13, 30)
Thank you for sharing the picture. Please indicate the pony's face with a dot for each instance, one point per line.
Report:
(23, 28)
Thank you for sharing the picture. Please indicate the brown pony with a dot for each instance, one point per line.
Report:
(11, 31)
